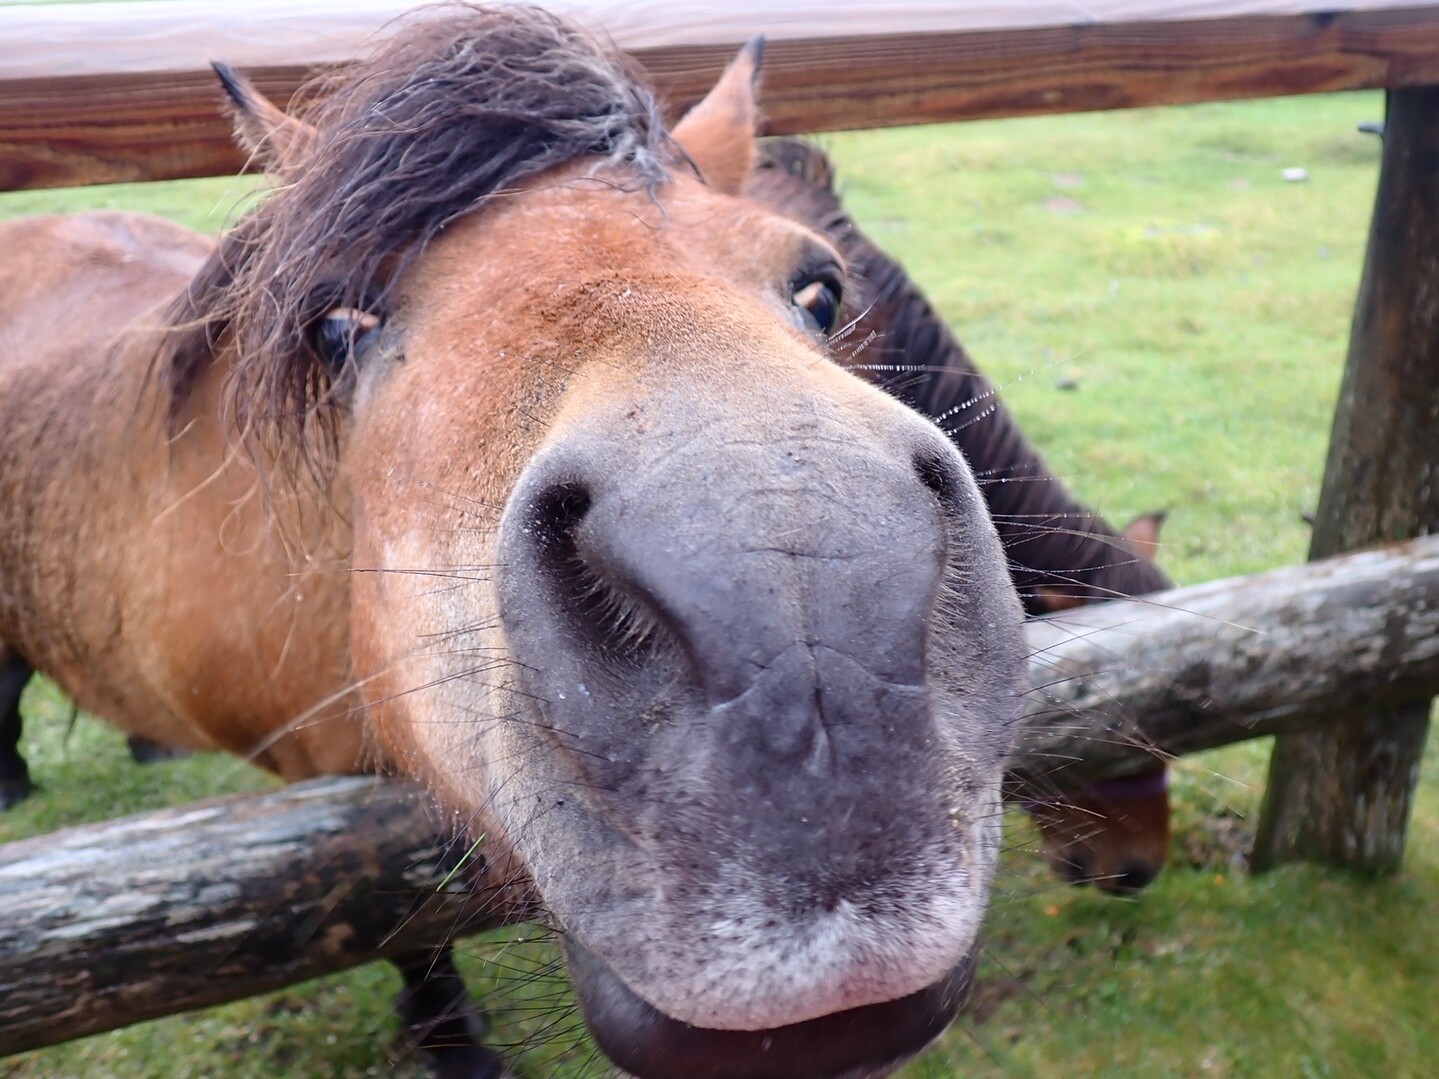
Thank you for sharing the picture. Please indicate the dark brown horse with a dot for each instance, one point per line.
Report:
(1061, 554)
(503, 444)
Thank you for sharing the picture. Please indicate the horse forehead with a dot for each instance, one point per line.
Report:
(579, 269)
(570, 228)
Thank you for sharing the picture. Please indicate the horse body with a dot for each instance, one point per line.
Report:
(142, 570)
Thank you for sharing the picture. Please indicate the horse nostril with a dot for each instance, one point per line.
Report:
(941, 477)
(555, 515)
(552, 525)
(1133, 877)
(608, 615)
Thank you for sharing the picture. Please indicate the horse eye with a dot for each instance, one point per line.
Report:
(339, 334)
(818, 302)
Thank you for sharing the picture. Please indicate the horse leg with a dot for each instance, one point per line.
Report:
(15, 785)
(145, 751)
(435, 1010)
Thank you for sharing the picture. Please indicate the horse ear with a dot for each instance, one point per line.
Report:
(719, 132)
(273, 138)
(1142, 534)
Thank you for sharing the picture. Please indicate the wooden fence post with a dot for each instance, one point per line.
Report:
(1342, 795)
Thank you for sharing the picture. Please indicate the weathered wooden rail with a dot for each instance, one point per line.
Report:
(1344, 794)
(123, 91)
(1297, 648)
(107, 924)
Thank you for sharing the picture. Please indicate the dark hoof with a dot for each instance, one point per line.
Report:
(144, 751)
(448, 1031)
(466, 1062)
(15, 791)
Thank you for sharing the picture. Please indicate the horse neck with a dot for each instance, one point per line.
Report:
(1052, 540)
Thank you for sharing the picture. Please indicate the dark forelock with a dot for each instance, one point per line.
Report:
(460, 103)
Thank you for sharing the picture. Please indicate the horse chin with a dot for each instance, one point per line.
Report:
(862, 1043)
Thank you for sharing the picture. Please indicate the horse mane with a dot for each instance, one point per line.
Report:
(1052, 540)
(444, 115)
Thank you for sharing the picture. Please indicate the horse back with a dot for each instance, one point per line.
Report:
(138, 562)
(76, 279)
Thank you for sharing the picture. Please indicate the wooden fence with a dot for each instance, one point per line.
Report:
(123, 91)
(205, 904)
(108, 92)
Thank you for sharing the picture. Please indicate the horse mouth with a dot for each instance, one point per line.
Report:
(862, 1043)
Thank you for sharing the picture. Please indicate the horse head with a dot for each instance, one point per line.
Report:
(709, 643)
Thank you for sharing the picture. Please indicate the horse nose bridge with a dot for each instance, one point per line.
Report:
(812, 715)
(802, 539)
(683, 542)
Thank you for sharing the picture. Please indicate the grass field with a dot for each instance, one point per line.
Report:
(1156, 261)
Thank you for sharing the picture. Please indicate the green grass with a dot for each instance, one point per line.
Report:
(205, 205)
(1201, 304)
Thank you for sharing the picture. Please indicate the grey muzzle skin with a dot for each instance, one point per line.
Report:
(766, 682)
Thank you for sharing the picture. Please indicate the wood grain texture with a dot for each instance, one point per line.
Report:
(1343, 795)
(1195, 668)
(108, 924)
(181, 35)
(93, 126)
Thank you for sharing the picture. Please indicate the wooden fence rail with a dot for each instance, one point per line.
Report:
(1299, 647)
(107, 924)
(99, 93)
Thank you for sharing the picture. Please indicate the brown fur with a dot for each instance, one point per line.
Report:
(439, 122)
(274, 140)
(723, 126)
(1062, 554)
(699, 631)
(1105, 835)
(145, 630)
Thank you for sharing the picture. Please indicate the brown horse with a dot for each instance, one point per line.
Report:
(1061, 554)
(502, 444)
